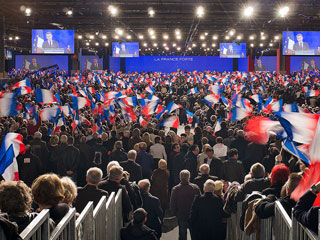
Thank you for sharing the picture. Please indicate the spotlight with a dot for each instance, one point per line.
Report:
(153, 37)
(164, 44)
(116, 37)
(119, 31)
(178, 48)
(215, 37)
(283, 12)
(200, 12)
(227, 37)
(177, 31)
(189, 48)
(145, 44)
(79, 36)
(167, 48)
(97, 44)
(151, 31)
(128, 37)
(276, 37)
(104, 37)
(165, 36)
(261, 44)
(202, 37)
(173, 45)
(239, 37)
(140, 36)
(194, 45)
(28, 11)
(178, 37)
(251, 45)
(87, 43)
(106, 44)
(10, 38)
(248, 11)
(17, 38)
(155, 44)
(69, 12)
(251, 37)
(203, 45)
(213, 45)
(263, 37)
(231, 32)
(113, 10)
(206, 34)
(271, 44)
(91, 36)
(151, 12)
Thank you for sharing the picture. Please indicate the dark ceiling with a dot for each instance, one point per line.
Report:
(91, 17)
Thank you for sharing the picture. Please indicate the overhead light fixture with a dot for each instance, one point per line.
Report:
(69, 12)
(263, 37)
(239, 37)
(261, 44)
(200, 12)
(227, 37)
(151, 12)
(119, 31)
(165, 36)
(276, 37)
(145, 44)
(104, 36)
(106, 44)
(203, 45)
(206, 34)
(113, 10)
(178, 37)
(151, 31)
(97, 44)
(10, 38)
(248, 11)
(155, 44)
(213, 45)
(17, 38)
(91, 36)
(128, 37)
(202, 37)
(173, 45)
(140, 36)
(283, 11)
(27, 11)
(231, 33)
(87, 43)
(167, 48)
(79, 36)
(271, 44)
(177, 31)
(251, 45)
(164, 44)
(189, 48)
(178, 48)
(116, 37)
(251, 37)
(194, 45)
(215, 37)
(153, 37)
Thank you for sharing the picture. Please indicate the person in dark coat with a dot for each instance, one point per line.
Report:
(159, 178)
(181, 201)
(118, 153)
(145, 160)
(99, 155)
(204, 171)
(40, 149)
(254, 153)
(137, 229)
(112, 184)
(206, 215)
(29, 166)
(152, 205)
(190, 162)
(111, 141)
(90, 192)
(132, 167)
(135, 138)
(257, 182)
(85, 161)
(223, 132)
(240, 144)
(178, 162)
(175, 150)
(69, 160)
(214, 163)
(265, 208)
(232, 169)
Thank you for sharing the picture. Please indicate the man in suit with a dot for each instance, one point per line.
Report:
(259, 66)
(230, 51)
(152, 205)
(50, 43)
(123, 49)
(214, 163)
(145, 160)
(300, 45)
(313, 67)
(232, 169)
(34, 66)
(132, 167)
(96, 65)
(200, 180)
(90, 192)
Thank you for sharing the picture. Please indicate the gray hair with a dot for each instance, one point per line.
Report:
(204, 168)
(37, 135)
(110, 165)
(209, 186)
(184, 176)
(94, 175)
(64, 139)
(132, 154)
(144, 185)
(116, 172)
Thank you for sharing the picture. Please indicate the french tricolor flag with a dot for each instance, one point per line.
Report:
(313, 93)
(50, 114)
(130, 101)
(44, 96)
(142, 122)
(193, 91)
(8, 106)
(211, 99)
(80, 102)
(150, 89)
(291, 107)
(227, 102)
(238, 114)
(12, 145)
(24, 83)
(189, 116)
(172, 121)
(257, 98)
(112, 94)
(217, 126)
(150, 108)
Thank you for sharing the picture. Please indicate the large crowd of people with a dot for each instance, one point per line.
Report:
(103, 131)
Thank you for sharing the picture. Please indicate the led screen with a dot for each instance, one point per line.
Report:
(232, 50)
(125, 49)
(36, 62)
(301, 43)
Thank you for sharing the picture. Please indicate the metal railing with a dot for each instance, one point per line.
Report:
(283, 222)
(299, 232)
(110, 224)
(99, 219)
(118, 213)
(38, 229)
(66, 228)
(84, 224)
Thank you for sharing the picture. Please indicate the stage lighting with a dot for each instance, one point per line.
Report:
(239, 37)
(91, 36)
(106, 44)
(155, 44)
(263, 37)
(213, 45)
(194, 45)
(178, 37)
(97, 44)
(153, 37)
(202, 37)
(119, 31)
(206, 34)
(87, 43)
(200, 12)
(251, 37)
(215, 37)
(28, 11)
(248, 11)
(145, 44)
(10, 38)
(140, 36)
(276, 37)
(167, 48)
(116, 37)
(283, 11)
(69, 12)
(151, 31)
(178, 48)
(177, 31)
(251, 45)
(151, 12)
(203, 45)
(128, 37)
(271, 44)
(104, 37)
(165, 36)
(17, 38)
(231, 33)
(227, 37)
(113, 10)
(261, 44)
(79, 36)
(164, 44)
(189, 48)
(173, 45)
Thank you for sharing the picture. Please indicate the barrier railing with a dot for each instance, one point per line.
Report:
(299, 232)
(84, 224)
(66, 228)
(266, 230)
(118, 213)
(282, 223)
(110, 224)
(99, 219)
(38, 228)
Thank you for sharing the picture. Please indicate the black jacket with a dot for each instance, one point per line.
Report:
(40, 149)
(305, 213)
(137, 232)
(68, 160)
(145, 160)
(273, 190)
(206, 217)
(177, 166)
(29, 166)
(99, 157)
(118, 155)
(190, 163)
(200, 180)
(215, 167)
(155, 214)
(232, 170)
(134, 169)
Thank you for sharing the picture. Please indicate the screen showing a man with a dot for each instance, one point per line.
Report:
(123, 49)
(50, 43)
(300, 45)
(34, 66)
(312, 66)
(96, 65)
(230, 50)
(259, 66)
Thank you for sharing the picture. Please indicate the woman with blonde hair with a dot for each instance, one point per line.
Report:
(146, 138)
(159, 186)
(202, 156)
(70, 191)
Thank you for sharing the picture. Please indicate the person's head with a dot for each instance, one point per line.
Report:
(123, 46)
(110, 165)
(144, 185)
(279, 174)
(70, 190)
(139, 216)
(209, 186)
(204, 169)
(176, 147)
(187, 129)
(136, 132)
(204, 147)
(194, 149)
(218, 187)
(204, 140)
(143, 146)
(104, 136)
(240, 133)
(70, 140)
(230, 133)
(299, 37)
(94, 176)
(37, 135)
(95, 61)
(162, 164)
(233, 153)
(118, 145)
(54, 140)
(116, 173)
(64, 139)
(257, 170)
(312, 61)
(219, 140)
(184, 176)
(259, 61)
(49, 36)
(34, 60)
(183, 137)
(293, 181)
(15, 198)
(209, 152)
(157, 139)
(47, 190)
(230, 47)
(132, 154)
